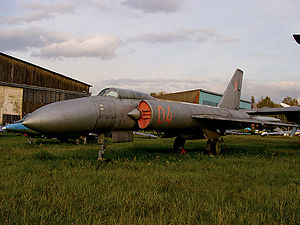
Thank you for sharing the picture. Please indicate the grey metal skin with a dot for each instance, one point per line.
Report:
(184, 116)
(292, 113)
(125, 110)
(96, 114)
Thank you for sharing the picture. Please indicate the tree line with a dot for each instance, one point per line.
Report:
(267, 102)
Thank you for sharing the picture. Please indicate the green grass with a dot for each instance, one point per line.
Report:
(255, 181)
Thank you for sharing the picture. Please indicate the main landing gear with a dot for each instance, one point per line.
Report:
(102, 148)
(213, 146)
(178, 145)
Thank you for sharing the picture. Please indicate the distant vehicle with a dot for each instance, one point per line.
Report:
(284, 133)
(124, 111)
(235, 132)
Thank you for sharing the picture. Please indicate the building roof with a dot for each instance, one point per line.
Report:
(201, 90)
(41, 68)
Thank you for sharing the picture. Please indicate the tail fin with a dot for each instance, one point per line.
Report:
(232, 94)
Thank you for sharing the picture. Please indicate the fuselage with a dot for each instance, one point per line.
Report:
(100, 114)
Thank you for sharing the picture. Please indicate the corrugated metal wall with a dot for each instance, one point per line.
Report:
(39, 87)
(188, 96)
(35, 98)
(20, 72)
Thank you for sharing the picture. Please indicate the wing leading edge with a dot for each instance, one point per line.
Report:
(292, 113)
(224, 119)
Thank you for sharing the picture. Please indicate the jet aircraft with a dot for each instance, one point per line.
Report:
(124, 111)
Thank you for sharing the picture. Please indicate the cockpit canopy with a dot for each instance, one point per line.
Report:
(124, 94)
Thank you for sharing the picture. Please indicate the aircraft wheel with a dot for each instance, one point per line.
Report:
(218, 147)
(214, 146)
(178, 145)
(209, 146)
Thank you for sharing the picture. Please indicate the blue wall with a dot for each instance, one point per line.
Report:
(209, 99)
(213, 100)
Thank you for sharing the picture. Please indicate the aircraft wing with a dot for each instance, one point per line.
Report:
(225, 120)
(270, 111)
(292, 113)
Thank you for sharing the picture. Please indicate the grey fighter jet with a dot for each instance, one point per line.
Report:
(124, 111)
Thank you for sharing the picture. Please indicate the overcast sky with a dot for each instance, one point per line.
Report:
(160, 45)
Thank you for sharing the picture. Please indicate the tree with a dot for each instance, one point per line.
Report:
(252, 102)
(290, 101)
(157, 94)
(266, 102)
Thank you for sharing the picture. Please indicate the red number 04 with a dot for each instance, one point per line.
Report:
(162, 115)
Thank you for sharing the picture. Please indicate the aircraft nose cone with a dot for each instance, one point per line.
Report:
(70, 116)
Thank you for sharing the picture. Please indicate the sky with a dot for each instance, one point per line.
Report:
(160, 45)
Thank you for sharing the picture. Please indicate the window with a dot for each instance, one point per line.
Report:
(109, 93)
(112, 94)
(209, 103)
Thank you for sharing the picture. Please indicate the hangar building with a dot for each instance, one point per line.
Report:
(25, 87)
(200, 96)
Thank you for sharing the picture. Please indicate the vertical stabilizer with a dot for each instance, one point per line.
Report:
(232, 94)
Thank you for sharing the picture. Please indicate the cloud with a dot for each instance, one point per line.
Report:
(150, 85)
(185, 35)
(27, 18)
(31, 11)
(275, 90)
(102, 46)
(155, 6)
(50, 44)
(34, 11)
(61, 8)
(32, 37)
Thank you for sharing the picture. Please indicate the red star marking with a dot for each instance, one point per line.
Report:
(235, 86)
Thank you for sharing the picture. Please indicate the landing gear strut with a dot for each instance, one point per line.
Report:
(102, 147)
(29, 140)
(214, 146)
(178, 145)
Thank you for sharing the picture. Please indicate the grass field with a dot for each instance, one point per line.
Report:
(256, 181)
